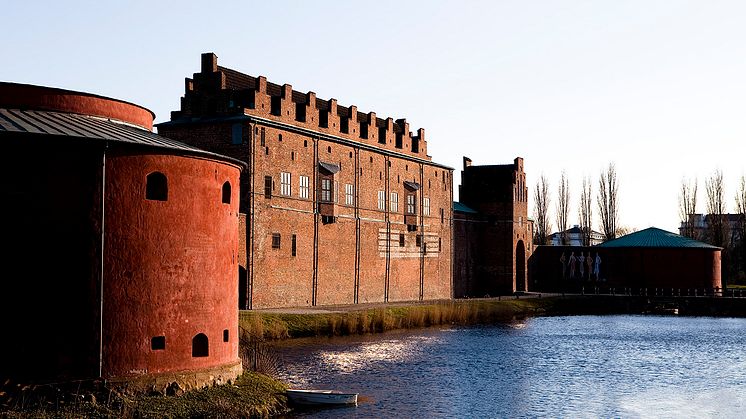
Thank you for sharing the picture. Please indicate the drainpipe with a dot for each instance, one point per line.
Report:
(101, 273)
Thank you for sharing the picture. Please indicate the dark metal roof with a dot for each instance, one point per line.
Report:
(457, 206)
(329, 167)
(655, 237)
(87, 127)
(412, 185)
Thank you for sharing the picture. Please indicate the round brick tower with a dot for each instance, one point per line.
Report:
(123, 246)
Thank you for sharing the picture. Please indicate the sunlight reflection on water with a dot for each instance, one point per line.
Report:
(583, 366)
(362, 356)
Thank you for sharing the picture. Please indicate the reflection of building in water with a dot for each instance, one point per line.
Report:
(651, 258)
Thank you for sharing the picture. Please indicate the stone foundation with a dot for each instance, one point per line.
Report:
(174, 383)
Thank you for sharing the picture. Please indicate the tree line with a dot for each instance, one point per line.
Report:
(717, 226)
(607, 203)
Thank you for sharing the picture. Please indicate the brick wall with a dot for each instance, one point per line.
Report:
(346, 251)
(493, 244)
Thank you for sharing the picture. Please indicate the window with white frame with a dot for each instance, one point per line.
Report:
(285, 183)
(382, 200)
(410, 203)
(394, 202)
(303, 187)
(326, 190)
(349, 194)
(426, 206)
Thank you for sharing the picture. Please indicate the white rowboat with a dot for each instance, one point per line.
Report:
(321, 397)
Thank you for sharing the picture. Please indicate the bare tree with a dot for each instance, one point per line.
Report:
(716, 210)
(740, 246)
(541, 210)
(608, 209)
(586, 210)
(741, 201)
(563, 206)
(688, 207)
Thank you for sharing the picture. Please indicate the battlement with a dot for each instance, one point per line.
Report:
(219, 91)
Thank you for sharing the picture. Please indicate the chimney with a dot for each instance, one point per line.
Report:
(209, 62)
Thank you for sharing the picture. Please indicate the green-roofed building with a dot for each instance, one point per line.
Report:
(647, 259)
(655, 238)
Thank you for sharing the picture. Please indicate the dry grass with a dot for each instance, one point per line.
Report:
(252, 395)
(285, 325)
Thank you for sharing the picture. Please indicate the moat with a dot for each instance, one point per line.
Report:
(575, 366)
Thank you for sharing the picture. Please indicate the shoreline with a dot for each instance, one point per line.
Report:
(275, 324)
(255, 394)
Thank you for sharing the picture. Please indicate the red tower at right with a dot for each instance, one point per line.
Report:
(493, 235)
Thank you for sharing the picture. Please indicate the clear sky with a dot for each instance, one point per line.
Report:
(658, 87)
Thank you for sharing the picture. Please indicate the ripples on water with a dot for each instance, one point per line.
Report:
(581, 366)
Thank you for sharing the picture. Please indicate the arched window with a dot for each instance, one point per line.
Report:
(200, 346)
(156, 187)
(227, 193)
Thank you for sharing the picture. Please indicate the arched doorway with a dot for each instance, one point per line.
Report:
(242, 288)
(520, 266)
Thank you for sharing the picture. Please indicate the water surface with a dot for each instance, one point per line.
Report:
(578, 366)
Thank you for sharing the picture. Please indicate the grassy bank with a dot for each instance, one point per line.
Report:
(252, 395)
(271, 325)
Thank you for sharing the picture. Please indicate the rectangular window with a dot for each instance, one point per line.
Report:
(326, 190)
(349, 194)
(410, 203)
(394, 202)
(261, 138)
(364, 130)
(382, 135)
(401, 240)
(285, 184)
(268, 186)
(275, 103)
(418, 241)
(344, 125)
(275, 240)
(303, 187)
(442, 215)
(236, 134)
(323, 119)
(382, 200)
(293, 248)
(426, 207)
(158, 343)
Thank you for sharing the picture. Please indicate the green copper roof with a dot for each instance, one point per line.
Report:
(457, 206)
(655, 237)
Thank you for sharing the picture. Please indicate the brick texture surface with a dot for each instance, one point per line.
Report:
(347, 250)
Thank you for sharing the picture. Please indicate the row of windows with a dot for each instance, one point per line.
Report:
(200, 344)
(329, 193)
(277, 243)
(156, 188)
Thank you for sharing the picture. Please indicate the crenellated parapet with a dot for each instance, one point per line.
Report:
(222, 92)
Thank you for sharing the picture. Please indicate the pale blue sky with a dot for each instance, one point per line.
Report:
(659, 87)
